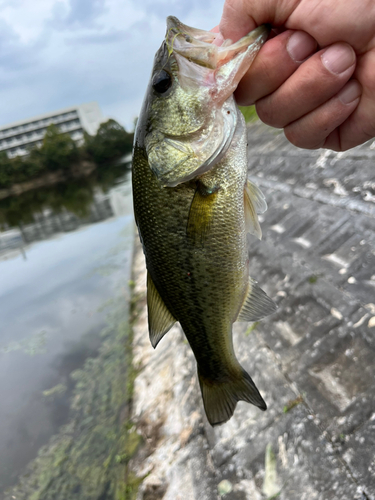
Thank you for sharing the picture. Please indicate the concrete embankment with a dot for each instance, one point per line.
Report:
(313, 360)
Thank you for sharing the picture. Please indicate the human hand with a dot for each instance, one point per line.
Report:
(317, 81)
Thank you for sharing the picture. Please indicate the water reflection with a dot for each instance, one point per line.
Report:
(64, 254)
(38, 214)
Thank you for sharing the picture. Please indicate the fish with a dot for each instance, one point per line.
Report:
(194, 206)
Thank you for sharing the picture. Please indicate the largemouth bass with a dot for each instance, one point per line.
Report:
(194, 206)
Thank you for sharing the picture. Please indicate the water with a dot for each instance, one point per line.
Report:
(64, 255)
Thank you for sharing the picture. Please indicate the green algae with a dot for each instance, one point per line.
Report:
(33, 345)
(88, 458)
(132, 485)
(55, 391)
(132, 441)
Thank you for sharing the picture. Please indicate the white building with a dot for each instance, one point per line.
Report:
(17, 138)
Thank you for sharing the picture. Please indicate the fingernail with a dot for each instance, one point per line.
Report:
(300, 45)
(350, 92)
(338, 58)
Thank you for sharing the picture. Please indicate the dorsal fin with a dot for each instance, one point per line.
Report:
(257, 304)
(160, 320)
(255, 203)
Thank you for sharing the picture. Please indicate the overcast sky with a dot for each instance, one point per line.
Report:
(58, 53)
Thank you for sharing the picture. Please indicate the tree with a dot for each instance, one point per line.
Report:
(111, 141)
(5, 170)
(58, 150)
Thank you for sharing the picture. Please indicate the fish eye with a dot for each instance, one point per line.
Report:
(161, 81)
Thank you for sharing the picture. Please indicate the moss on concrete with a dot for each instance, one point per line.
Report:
(313, 279)
(132, 485)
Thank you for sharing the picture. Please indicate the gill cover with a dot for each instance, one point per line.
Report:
(192, 114)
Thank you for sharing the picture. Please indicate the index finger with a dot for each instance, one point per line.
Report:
(235, 22)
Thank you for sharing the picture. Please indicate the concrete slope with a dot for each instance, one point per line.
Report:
(313, 360)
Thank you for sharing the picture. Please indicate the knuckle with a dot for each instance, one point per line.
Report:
(305, 141)
(292, 136)
(267, 113)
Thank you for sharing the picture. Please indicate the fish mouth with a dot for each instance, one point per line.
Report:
(204, 77)
(197, 46)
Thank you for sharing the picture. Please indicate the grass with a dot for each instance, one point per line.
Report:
(249, 113)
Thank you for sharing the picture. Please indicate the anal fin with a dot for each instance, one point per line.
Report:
(160, 320)
(257, 304)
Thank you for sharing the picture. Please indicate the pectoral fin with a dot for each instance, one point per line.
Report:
(257, 304)
(257, 197)
(201, 214)
(255, 203)
(160, 320)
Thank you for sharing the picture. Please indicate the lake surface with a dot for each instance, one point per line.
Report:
(64, 255)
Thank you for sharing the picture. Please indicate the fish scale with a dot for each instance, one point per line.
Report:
(193, 212)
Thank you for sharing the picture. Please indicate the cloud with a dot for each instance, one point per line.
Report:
(99, 38)
(164, 8)
(57, 53)
(77, 13)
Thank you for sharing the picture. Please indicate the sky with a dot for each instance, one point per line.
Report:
(60, 53)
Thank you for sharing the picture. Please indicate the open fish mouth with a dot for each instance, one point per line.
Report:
(192, 112)
(197, 45)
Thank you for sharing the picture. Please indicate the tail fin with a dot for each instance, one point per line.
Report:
(220, 398)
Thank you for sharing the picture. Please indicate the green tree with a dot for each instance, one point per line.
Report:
(111, 141)
(5, 170)
(18, 169)
(58, 150)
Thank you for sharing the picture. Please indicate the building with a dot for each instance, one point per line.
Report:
(18, 137)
